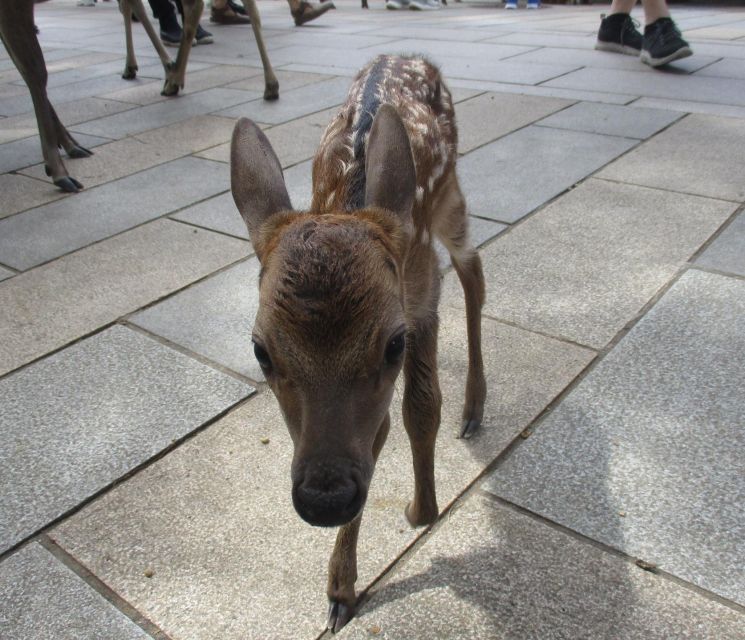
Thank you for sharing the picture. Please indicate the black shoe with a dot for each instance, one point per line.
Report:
(203, 36)
(172, 37)
(237, 7)
(663, 43)
(618, 33)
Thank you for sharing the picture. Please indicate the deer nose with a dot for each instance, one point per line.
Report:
(327, 496)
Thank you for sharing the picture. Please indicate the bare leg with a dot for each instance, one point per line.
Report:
(343, 563)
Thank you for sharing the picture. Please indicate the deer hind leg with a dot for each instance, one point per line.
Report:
(421, 405)
(271, 84)
(128, 7)
(19, 36)
(343, 563)
(452, 229)
(175, 77)
(65, 140)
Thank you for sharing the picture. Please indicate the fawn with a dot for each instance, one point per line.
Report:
(349, 292)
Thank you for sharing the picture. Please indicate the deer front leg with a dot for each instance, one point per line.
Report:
(343, 562)
(271, 84)
(175, 77)
(65, 140)
(421, 412)
(130, 65)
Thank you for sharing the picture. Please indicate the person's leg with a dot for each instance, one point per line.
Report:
(662, 41)
(170, 29)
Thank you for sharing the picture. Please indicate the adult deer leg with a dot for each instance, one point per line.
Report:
(271, 84)
(192, 13)
(19, 36)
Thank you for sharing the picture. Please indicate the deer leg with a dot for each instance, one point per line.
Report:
(175, 78)
(271, 84)
(421, 411)
(130, 65)
(364, 4)
(343, 563)
(453, 231)
(19, 36)
(65, 140)
(136, 7)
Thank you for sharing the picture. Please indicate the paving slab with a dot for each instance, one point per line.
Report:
(644, 454)
(490, 572)
(115, 400)
(502, 70)
(161, 114)
(439, 51)
(612, 120)
(47, 232)
(27, 151)
(142, 151)
(228, 551)
(5, 273)
(727, 68)
(218, 214)
(727, 252)
(47, 307)
(40, 598)
(492, 115)
(480, 231)
(509, 178)
(294, 103)
(20, 193)
(586, 264)
(701, 154)
(288, 80)
(688, 106)
(655, 85)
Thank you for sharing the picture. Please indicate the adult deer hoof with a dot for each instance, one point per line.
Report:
(271, 90)
(469, 427)
(307, 11)
(130, 73)
(68, 184)
(339, 615)
(79, 152)
(170, 88)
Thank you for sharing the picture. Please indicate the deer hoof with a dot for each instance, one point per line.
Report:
(130, 73)
(68, 184)
(339, 615)
(79, 152)
(271, 91)
(470, 426)
(170, 88)
(420, 517)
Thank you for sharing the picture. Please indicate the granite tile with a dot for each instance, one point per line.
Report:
(546, 39)
(164, 113)
(288, 80)
(227, 517)
(52, 230)
(47, 307)
(587, 263)
(612, 120)
(439, 51)
(502, 71)
(306, 38)
(688, 106)
(655, 85)
(431, 33)
(479, 230)
(727, 252)
(490, 572)
(295, 103)
(500, 179)
(27, 151)
(115, 400)
(142, 151)
(20, 193)
(701, 154)
(40, 598)
(644, 454)
(5, 273)
(218, 214)
(727, 68)
(299, 182)
(492, 115)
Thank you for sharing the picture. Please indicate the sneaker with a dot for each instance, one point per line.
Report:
(534, 4)
(663, 43)
(171, 37)
(425, 5)
(618, 33)
(510, 4)
(86, 3)
(203, 36)
(395, 5)
(237, 7)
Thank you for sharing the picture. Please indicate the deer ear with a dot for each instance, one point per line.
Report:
(255, 177)
(390, 176)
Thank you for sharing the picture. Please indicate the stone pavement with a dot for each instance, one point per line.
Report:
(605, 495)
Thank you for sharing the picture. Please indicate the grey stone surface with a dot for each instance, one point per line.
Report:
(213, 318)
(613, 120)
(480, 231)
(655, 85)
(287, 80)
(688, 106)
(585, 286)
(47, 232)
(218, 213)
(114, 400)
(229, 552)
(493, 115)
(20, 192)
(47, 307)
(727, 252)
(511, 177)
(440, 51)
(299, 182)
(5, 273)
(40, 598)
(502, 71)
(294, 103)
(27, 151)
(490, 572)
(161, 114)
(644, 454)
(700, 154)
(727, 68)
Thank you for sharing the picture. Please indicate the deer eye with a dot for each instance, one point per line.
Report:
(395, 348)
(265, 362)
